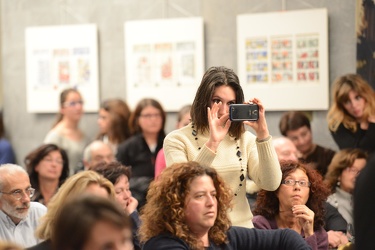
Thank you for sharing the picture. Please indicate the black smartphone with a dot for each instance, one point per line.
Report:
(243, 112)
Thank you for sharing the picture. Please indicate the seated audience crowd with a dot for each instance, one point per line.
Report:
(136, 187)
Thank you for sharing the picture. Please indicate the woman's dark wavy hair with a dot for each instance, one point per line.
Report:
(35, 157)
(164, 211)
(213, 78)
(112, 171)
(267, 203)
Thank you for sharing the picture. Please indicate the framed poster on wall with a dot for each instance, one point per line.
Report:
(164, 60)
(57, 58)
(283, 58)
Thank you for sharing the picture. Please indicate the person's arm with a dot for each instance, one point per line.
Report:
(160, 163)
(165, 242)
(263, 165)
(6, 154)
(243, 239)
(136, 222)
(261, 222)
(319, 240)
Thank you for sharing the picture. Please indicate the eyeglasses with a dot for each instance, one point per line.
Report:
(291, 183)
(73, 103)
(18, 194)
(149, 116)
(353, 170)
(57, 161)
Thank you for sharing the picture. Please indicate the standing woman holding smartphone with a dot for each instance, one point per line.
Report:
(213, 140)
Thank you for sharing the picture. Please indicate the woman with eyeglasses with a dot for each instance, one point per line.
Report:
(139, 151)
(340, 178)
(66, 132)
(48, 168)
(298, 204)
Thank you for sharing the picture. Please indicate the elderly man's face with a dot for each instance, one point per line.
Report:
(100, 154)
(15, 209)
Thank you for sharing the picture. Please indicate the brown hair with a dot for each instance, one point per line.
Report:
(112, 171)
(63, 96)
(79, 216)
(133, 121)
(342, 160)
(119, 112)
(293, 120)
(337, 114)
(267, 203)
(164, 211)
(33, 159)
(213, 78)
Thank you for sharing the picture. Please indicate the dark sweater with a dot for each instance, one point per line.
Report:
(362, 139)
(320, 159)
(239, 238)
(136, 153)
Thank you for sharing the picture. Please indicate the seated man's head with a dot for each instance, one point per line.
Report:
(15, 192)
(97, 152)
(285, 149)
(296, 126)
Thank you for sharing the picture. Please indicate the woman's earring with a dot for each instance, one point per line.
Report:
(338, 182)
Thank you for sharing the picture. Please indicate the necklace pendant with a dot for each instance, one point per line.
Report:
(238, 153)
(242, 177)
(194, 132)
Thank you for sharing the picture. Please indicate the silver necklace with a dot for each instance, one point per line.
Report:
(238, 154)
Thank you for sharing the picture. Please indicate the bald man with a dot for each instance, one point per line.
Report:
(96, 152)
(285, 149)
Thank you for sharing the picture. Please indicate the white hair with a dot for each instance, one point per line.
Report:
(9, 169)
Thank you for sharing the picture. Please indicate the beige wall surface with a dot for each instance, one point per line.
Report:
(26, 131)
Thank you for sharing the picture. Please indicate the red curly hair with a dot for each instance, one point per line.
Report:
(267, 203)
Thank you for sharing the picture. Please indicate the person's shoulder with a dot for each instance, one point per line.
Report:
(164, 242)
(52, 136)
(181, 134)
(131, 140)
(262, 222)
(324, 150)
(5, 144)
(45, 245)
(37, 208)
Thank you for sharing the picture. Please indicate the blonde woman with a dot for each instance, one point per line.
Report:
(351, 118)
(76, 185)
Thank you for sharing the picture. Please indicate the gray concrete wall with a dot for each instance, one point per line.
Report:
(27, 131)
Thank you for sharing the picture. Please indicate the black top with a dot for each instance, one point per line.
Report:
(362, 139)
(136, 153)
(333, 219)
(320, 159)
(238, 238)
(364, 207)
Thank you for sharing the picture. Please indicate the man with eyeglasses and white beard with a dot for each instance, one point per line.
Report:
(18, 216)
